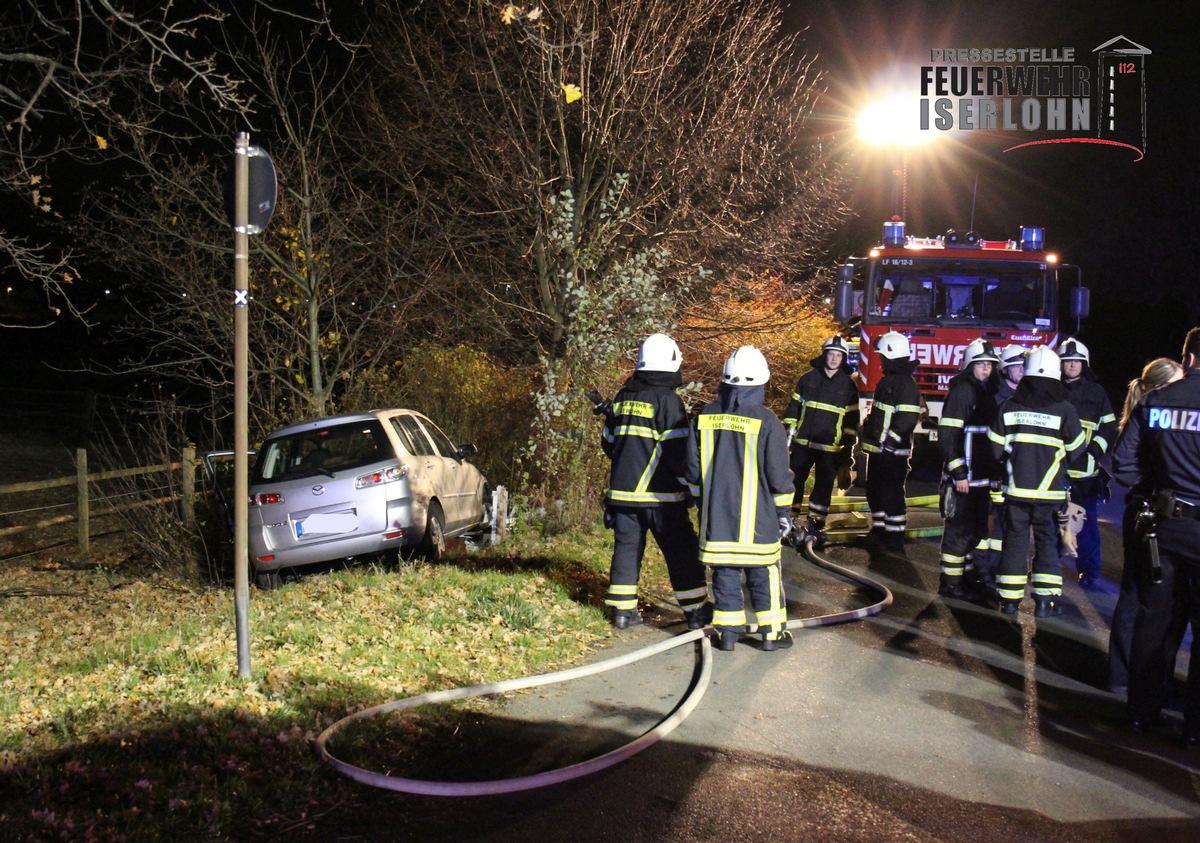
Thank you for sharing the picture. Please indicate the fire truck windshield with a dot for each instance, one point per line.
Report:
(943, 291)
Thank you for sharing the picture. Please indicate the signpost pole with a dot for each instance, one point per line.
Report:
(241, 485)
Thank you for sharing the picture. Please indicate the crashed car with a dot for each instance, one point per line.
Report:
(363, 484)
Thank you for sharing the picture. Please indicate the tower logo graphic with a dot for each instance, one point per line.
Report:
(1121, 81)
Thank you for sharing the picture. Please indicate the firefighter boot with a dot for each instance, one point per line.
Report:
(700, 617)
(771, 644)
(1046, 606)
(893, 544)
(1009, 607)
(625, 618)
(952, 586)
(874, 540)
(727, 639)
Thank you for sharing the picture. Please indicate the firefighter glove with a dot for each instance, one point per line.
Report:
(785, 526)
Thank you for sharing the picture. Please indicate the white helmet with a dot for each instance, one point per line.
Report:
(979, 351)
(835, 344)
(1073, 349)
(659, 353)
(1013, 355)
(893, 346)
(747, 367)
(1042, 362)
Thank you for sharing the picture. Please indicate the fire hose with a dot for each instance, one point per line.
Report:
(688, 703)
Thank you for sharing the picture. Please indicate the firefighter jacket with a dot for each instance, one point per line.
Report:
(1099, 423)
(738, 468)
(894, 412)
(1036, 433)
(823, 412)
(645, 435)
(1159, 449)
(967, 415)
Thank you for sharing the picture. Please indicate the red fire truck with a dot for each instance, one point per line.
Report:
(942, 292)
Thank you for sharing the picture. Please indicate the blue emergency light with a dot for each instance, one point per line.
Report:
(1032, 239)
(893, 233)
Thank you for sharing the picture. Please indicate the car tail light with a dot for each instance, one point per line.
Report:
(270, 558)
(384, 475)
(265, 498)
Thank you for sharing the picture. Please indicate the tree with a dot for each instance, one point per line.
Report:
(69, 69)
(587, 165)
(327, 298)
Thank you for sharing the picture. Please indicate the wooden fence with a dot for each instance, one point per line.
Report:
(84, 482)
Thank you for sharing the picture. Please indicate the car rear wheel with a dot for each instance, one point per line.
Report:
(433, 546)
(268, 580)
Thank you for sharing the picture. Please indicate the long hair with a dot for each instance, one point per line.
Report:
(1157, 373)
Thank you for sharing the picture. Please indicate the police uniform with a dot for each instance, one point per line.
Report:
(967, 415)
(738, 468)
(823, 417)
(1159, 450)
(646, 435)
(887, 440)
(1100, 429)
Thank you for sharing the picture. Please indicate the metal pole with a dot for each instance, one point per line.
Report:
(241, 446)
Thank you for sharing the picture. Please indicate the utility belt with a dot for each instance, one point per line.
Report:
(1162, 505)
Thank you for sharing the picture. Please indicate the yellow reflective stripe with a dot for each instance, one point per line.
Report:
(749, 488)
(737, 618)
(691, 594)
(945, 422)
(641, 409)
(784, 499)
(622, 590)
(908, 408)
(735, 424)
(644, 497)
(955, 463)
(818, 405)
(636, 430)
(1107, 418)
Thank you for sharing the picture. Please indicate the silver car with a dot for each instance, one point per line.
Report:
(356, 485)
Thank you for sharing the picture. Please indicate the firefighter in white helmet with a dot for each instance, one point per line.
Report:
(823, 420)
(987, 552)
(887, 439)
(1088, 486)
(1036, 434)
(645, 435)
(738, 468)
(968, 466)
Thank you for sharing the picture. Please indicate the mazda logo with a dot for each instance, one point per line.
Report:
(318, 489)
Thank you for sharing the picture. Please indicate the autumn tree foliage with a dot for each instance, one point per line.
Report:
(592, 167)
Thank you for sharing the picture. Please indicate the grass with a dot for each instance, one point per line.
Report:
(122, 718)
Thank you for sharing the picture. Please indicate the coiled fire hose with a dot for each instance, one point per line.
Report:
(687, 704)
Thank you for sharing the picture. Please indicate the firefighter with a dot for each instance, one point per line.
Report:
(987, 552)
(738, 468)
(822, 419)
(887, 440)
(1088, 487)
(1159, 452)
(968, 464)
(1036, 433)
(646, 435)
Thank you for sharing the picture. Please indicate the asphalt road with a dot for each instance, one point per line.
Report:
(935, 720)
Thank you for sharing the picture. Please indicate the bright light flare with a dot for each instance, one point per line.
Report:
(893, 122)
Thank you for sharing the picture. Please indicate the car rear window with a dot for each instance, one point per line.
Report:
(326, 449)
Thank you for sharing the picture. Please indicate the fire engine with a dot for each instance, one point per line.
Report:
(942, 292)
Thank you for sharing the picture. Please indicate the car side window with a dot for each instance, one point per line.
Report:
(405, 439)
(421, 446)
(444, 445)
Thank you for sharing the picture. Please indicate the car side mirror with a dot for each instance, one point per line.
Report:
(464, 451)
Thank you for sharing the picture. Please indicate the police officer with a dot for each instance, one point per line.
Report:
(823, 420)
(968, 464)
(1159, 450)
(1036, 433)
(738, 468)
(646, 435)
(1087, 487)
(887, 440)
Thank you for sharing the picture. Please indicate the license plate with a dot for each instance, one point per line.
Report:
(327, 523)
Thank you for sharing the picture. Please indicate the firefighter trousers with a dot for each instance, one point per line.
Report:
(963, 532)
(803, 461)
(672, 530)
(765, 584)
(886, 474)
(1163, 604)
(1013, 574)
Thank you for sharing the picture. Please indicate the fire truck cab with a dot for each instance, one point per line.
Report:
(942, 292)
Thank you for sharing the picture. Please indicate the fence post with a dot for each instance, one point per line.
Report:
(81, 499)
(188, 485)
(499, 515)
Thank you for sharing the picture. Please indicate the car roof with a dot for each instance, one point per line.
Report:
(328, 421)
